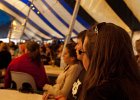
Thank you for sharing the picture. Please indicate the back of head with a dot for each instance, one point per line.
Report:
(33, 51)
(4, 47)
(113, 52)
(71, 49)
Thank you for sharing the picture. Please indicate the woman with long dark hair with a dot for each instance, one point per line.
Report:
(113, 72)
(65, 80)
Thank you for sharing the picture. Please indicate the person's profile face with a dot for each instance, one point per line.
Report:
(78, 47)
(66, 56)
(138, 47)
(85, 58)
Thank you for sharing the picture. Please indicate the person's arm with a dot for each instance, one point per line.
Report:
(47, 96)
(71, 75)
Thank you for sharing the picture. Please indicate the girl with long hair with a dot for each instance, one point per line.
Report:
(113, 71)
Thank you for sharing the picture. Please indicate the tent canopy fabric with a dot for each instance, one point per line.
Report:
(5, 19)
(50, 18)
(5, 22)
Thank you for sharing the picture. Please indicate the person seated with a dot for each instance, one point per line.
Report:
(5, 59)
(45, 59)
(5, 56)
(78, 83)
(66, 79)
(58, 54)
(30, 63)
(113, 72)
(13, 49)
(76, 88)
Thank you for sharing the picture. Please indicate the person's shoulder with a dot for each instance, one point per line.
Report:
(109, 83)
(107, 86)
(78, 64)
(110, 90)
(18, 59)
(75, 66)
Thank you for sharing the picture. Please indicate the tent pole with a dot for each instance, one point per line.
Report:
(26, 20)
(10, 32)
(76, 8)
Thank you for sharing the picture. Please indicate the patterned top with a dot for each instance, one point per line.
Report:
(75, 92)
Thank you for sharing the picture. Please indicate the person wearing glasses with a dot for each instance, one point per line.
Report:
(78, 83)
(113, 72)
(76, 89)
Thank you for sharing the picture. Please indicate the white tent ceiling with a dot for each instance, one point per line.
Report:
(51, 18)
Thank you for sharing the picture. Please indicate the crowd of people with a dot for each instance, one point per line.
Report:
(101, 66)
(29, 57)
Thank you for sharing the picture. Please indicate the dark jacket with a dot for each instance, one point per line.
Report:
(5, 59)
(109, 90)
(76, 89)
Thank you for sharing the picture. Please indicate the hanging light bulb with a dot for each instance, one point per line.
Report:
(38, 12)
(14, 23)
(31, 5)
(33, 8)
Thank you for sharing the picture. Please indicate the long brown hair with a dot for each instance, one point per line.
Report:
(34, 52)
(113, 57)
(82, 35)
(71, 49)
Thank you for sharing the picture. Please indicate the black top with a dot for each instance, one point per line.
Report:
(109, 90)
(5, 58)
(74, 94)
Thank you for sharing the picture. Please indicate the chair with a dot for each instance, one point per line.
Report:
(21, 78)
